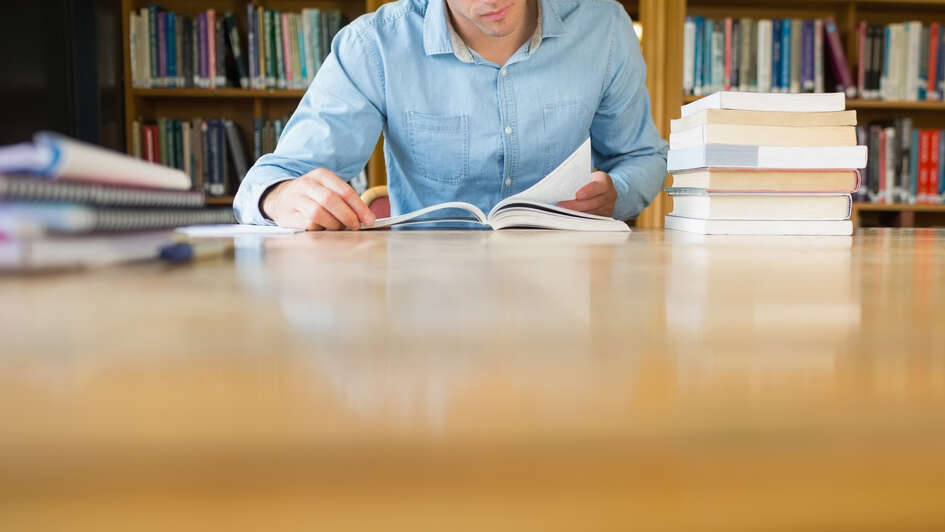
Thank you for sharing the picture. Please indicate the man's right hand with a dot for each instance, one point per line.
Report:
(318, 200)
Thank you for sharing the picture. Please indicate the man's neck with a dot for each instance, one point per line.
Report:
(495, 49)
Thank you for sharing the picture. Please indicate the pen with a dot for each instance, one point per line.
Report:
(190, 251)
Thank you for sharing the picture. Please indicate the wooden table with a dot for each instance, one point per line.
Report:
(483, 381)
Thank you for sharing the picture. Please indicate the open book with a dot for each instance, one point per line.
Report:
(533, 208)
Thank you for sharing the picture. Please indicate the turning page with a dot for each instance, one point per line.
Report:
(561, 184)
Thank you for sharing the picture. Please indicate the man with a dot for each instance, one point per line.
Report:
(478, 100)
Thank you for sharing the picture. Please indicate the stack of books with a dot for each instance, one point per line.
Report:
(64, 203)
(757, 163)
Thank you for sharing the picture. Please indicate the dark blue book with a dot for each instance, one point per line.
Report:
(776, 55)
(807, 56)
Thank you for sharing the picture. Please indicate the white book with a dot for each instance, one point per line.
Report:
(765, 30)
(760, 227)
(53, 253)
(689, 51)
(536, 207)
(912, 62)
(58, 157)
(769, 157)
(700, 203)
(769, 101)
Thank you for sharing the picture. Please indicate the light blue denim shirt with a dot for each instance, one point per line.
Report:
(457, 129)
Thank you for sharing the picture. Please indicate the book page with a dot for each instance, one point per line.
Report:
(394, 220)
(561, 184)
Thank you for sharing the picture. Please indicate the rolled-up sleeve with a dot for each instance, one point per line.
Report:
(624, 138)
(335, 126)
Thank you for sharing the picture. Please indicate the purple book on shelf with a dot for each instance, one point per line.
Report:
(162, 45)
(807, 56)
(202, 47)
(838, 61)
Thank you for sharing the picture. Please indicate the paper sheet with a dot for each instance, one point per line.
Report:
(223, 230)
(561, 184)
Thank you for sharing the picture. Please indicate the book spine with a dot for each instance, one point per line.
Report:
(179, 39)
(251, 46)
(153, 44)
(278, 44)
(912, 60)
(776, 51)
(786, 55)
(922, 79)
(940, 71)
(284, 30)
(840, 68)
(913, 188)
(861, 58)
(932, 81)
(737, 37)
(211, 48)
(698, 46)
(257, 138)
(876, 61)
(819, 84)
(940, 189)
(307, 46)
(203, 52)
(326, 42)
(718, 55)
(934, 164)
(727, 55)
(162, 48)
(136, 139)
(300, 43)
(883, 166)
(238, 58)
(224, 159)
(133, 48)
(221, 80)
(171, 49)
(764, 55)
(807, 56)
(294, 46)
(796, 36)
(187, 154)
(885, 80)
(924, 160)
(316, 15)
(744, 54)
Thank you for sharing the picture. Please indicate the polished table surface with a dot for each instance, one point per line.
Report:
(481, 381)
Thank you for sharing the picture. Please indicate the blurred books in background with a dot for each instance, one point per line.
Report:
(764, 163)
(64, 203)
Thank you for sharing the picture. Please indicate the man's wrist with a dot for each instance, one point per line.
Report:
(264, 195)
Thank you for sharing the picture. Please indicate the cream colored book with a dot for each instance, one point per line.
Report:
(769, 101)
(738, 180)
(763, 135)
(762, 118)
(693, 203)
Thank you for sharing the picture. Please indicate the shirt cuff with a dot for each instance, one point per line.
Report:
(246, 204)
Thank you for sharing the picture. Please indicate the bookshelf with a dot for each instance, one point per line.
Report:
(847, 13)
(237, 104)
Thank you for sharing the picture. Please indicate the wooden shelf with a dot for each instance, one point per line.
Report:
(218, 93)
(857, 103)
(899, 207)
(220, 200)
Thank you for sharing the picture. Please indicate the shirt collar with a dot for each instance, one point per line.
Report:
(439, 37)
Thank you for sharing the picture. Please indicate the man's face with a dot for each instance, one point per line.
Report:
(495, 18)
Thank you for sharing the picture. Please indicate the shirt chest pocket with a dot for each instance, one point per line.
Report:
(439, 146)
(567, 124)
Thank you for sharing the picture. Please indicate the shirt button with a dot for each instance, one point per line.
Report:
(508, 130)
(508, 181)
(503, 71)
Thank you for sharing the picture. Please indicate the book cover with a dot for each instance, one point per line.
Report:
(841, 69)
(807, 56)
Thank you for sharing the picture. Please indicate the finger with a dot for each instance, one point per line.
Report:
(594, 188)
(349, 196)
(585, 205)
(320, 215)
(333, 204)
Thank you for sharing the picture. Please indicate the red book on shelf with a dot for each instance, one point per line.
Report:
(930, 92)
(728, 54)
(934, 162)
(838, 61)
(922, 188)
(212, 47)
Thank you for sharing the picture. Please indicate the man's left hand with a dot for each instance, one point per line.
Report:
(597, 197)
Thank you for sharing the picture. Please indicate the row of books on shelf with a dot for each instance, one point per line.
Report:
(211, 152)
(67, 204)
(282, 50)
(905, 165)
(902, 61)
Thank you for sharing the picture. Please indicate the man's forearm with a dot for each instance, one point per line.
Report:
(638, 179)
